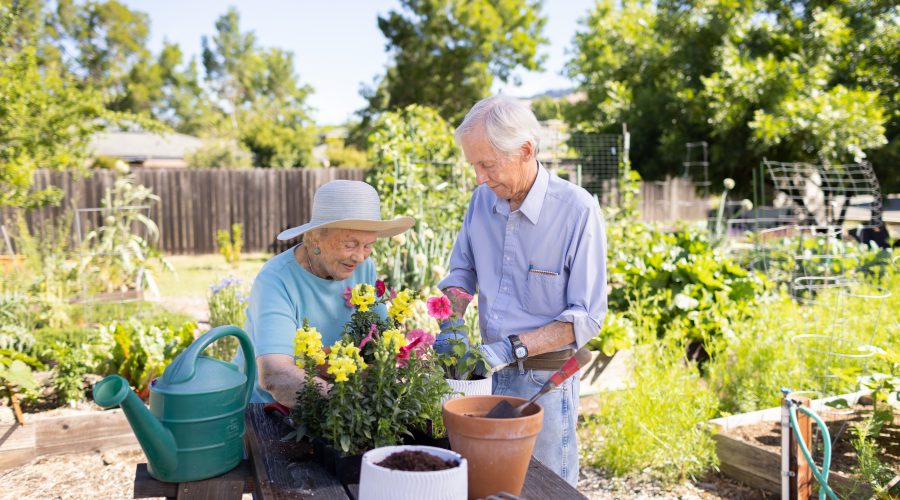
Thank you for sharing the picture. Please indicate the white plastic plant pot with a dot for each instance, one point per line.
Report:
(380, 483)
(481, 387)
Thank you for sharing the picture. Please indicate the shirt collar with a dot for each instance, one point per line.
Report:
(534, 200)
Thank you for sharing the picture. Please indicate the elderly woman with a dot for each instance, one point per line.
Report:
(308, 281)
(534, 247)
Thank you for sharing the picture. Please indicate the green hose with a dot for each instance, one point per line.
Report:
(822, 476)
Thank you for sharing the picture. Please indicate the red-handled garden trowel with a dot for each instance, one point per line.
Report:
(505, 410)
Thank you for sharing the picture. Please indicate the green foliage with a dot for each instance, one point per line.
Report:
(414, 153)
(16, 371)
(549, 108)
(139, 352)
(341, 155)
(226, 307)
(265, 106)
(218, 153)
(118, 257)
(655, 426)
(684, 286)
(452, 51)
(46, 121)
(72, 363)
(788, 81)
(230, 245)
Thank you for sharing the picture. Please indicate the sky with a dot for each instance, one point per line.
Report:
(337, 45)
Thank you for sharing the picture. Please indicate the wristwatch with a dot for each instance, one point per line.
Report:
(519, 350)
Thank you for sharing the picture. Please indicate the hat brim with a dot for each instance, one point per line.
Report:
(384, 228)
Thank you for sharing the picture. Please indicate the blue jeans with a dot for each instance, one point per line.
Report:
(557, 444)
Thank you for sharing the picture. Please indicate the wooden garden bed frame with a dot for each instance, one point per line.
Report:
(759, 467)
(57, 435)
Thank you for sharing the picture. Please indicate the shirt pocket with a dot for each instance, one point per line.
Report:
(545, 294)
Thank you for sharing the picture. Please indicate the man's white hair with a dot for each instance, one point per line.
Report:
(508, 125)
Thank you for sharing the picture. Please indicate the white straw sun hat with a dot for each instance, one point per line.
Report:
(349, 205)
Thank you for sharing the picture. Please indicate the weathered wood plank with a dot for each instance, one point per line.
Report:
(238, 480)
(283, 470)
(78, 433)
(16, 444)
(748, 464)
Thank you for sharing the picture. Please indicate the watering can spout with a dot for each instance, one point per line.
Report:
(157, 442)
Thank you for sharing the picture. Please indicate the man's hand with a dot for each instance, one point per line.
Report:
(496, 355)
(451, 329)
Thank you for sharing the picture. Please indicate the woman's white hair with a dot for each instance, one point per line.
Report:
(508, 125)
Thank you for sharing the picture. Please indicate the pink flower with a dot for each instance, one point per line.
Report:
(368, 337)
(460, 293)
(379, 287)
(439, 307)
(403, 356)
(348, 293)
(418, 333)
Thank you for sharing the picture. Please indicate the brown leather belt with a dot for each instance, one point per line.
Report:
(551, 361)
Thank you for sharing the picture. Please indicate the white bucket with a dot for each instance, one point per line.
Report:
(381, 483)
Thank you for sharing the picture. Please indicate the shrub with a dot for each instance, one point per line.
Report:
(230, 245)
(226, 307)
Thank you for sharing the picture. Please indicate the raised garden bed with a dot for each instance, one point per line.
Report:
(64, 432)
(749, 445)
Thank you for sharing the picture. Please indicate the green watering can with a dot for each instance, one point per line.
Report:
(195, 426)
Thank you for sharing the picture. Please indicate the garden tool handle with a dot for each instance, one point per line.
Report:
(569, 368)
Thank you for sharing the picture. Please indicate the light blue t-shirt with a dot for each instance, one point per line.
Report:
(283, 294)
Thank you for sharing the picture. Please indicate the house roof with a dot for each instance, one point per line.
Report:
(141, 146)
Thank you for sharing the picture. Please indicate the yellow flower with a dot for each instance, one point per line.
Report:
(363, 296)
(393, 338)
(308, 344)
(401, 309)
(340, 367)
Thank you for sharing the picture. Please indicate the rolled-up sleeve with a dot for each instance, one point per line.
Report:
(462, 262)
(586, 289)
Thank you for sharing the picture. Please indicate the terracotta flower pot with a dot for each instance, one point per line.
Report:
(498, 449)
(377, 482)
(481, 387)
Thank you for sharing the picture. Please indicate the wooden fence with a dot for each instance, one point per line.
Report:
(194, 203)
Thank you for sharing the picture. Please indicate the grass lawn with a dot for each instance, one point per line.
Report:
(195, 273)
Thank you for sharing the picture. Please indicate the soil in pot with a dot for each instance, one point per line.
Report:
(410, 460)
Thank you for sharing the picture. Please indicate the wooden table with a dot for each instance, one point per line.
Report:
(279, 470)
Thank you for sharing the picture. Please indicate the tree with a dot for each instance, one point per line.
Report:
(258, 90)
(45, 122)
(447, 54)
(791, 81)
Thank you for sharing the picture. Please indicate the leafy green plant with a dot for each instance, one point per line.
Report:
(230, 245)
(139, 352)
(16, 375)
(226, 301)
(117, 254)
(655, 425)
(72, 363)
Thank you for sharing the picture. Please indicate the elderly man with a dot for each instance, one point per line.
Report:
(534, 248)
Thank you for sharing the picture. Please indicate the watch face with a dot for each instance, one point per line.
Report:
(521, 352)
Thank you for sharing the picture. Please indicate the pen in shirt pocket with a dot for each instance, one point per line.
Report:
(532, 269)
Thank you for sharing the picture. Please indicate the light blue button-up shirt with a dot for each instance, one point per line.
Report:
(545, 261)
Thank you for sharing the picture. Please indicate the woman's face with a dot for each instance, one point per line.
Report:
(341, 251)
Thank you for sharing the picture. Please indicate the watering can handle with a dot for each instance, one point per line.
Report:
(183, 367)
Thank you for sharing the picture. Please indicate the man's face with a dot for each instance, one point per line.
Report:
(508, 178)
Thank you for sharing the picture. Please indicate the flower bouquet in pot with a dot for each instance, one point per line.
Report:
(384, 381)
(463, 367)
